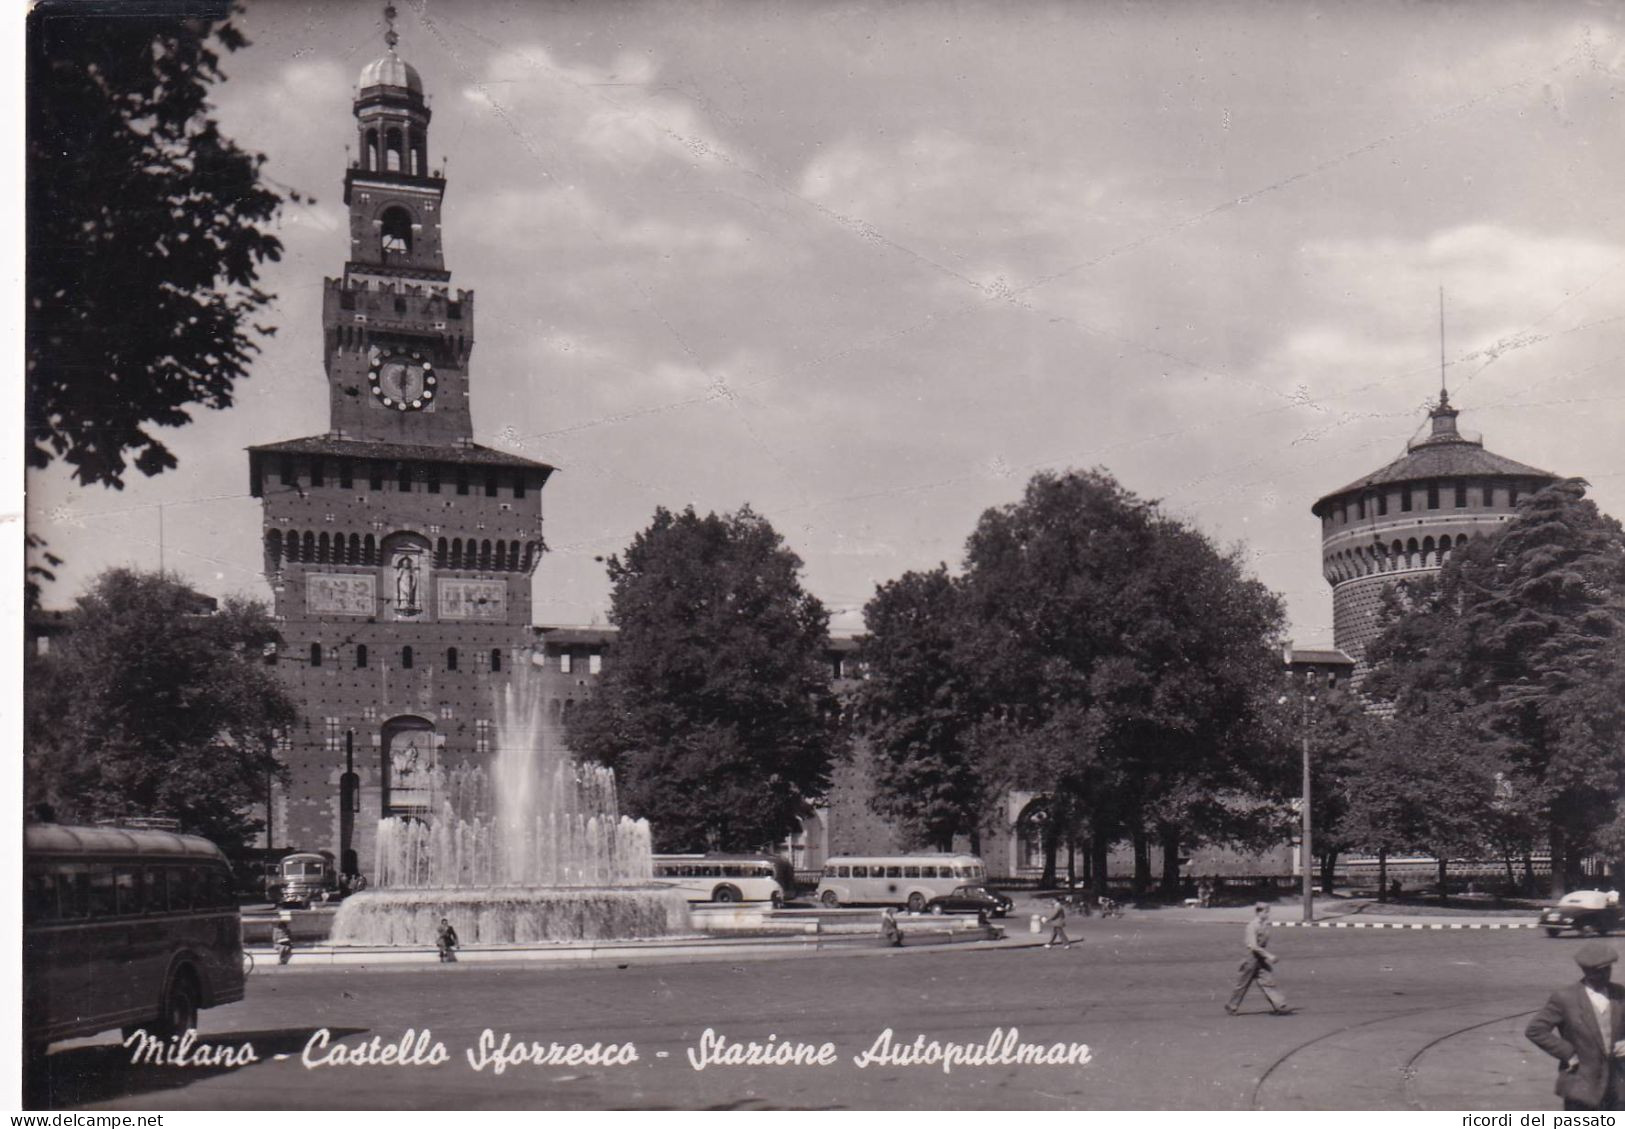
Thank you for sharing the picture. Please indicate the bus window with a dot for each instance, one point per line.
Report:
(72, 890)
(225, 894)
(933, 872)
(733, 871)
(182, 887)
(860, 872)
(39, 896)
(843, 872)
(154, 891)
(894, 872)
(126, 893)
(101, 902)
(911, 872)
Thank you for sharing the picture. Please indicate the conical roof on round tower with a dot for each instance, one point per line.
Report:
(1443, 453)
(1403, 521)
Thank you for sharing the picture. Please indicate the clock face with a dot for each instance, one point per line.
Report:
(402, 380)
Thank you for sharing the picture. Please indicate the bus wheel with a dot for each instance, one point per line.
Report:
(179, 1013)
(831, 899)
(916, 902)
(725, 894)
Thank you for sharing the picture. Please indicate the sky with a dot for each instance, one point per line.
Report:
(868, 267)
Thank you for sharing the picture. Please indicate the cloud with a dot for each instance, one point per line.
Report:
(570, 219)
(620, 114)
(1505, 290)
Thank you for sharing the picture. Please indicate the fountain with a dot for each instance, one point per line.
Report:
(535, 850)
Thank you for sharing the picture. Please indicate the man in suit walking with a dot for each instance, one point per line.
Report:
(1256, 965)
(1583, 1027)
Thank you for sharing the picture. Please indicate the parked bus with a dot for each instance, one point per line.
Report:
(726, 878)
(124, 928)
(306, 877)
(896, 880)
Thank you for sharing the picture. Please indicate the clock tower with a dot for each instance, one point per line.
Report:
(396, 336)
(400, 552)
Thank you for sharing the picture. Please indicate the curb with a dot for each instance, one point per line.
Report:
(1403, 925)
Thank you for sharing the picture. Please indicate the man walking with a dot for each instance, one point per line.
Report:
(1257, 964)
(1583, 1027)
(1057, 926)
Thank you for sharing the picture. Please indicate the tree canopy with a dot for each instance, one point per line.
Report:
(149, 705)
(919, 707)
(1117, 661)
(1522, 641)
(145, 227)
(717, 713)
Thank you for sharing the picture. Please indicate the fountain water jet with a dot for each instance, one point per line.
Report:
(534, 850)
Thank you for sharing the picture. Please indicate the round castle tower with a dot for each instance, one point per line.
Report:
(1401, 522)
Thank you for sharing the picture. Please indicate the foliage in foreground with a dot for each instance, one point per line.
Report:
(150, 706)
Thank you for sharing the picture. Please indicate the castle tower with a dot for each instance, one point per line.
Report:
(1403, 521)
(400, 552)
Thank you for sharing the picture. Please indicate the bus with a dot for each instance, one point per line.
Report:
(306, 877)
(124, 928)
(726, 878)
(896, 880)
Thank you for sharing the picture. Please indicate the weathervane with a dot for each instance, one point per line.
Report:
(389, 26)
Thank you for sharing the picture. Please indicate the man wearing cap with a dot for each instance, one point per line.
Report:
(1256, 965)
(1583, 1027)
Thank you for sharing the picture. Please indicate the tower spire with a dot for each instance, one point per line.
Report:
(390, 37)
(1444, 391)
(1443, 416)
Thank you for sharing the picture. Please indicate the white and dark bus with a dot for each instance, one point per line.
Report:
(726, 878)
(124, 929)
(896, 880)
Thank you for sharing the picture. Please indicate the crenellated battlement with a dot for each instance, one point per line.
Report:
(400, 298)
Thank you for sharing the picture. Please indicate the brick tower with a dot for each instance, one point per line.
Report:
(1401, 522)
(400, 551)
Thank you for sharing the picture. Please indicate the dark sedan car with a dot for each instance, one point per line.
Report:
(970, 899)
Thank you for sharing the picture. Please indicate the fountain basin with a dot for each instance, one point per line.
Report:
(508, 915)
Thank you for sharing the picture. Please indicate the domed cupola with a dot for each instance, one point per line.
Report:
(391, 70)
(392, 116)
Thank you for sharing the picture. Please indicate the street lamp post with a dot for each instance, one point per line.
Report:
(1308, 823)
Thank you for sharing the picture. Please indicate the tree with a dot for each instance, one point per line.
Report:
(1525, 630)
(1128, 659)
(145, 231)
(1424, 783)
(151, 706)
(918, 706)
(717, 714)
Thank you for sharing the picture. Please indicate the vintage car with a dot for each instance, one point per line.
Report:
(970, 899)
(1582, 910)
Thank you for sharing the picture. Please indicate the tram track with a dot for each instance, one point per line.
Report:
(1407, 1071)
(1263, 1078)
(1408, 1074)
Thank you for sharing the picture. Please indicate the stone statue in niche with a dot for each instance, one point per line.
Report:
(408, 583)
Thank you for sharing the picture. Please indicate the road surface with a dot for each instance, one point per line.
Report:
(1388, 1020)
